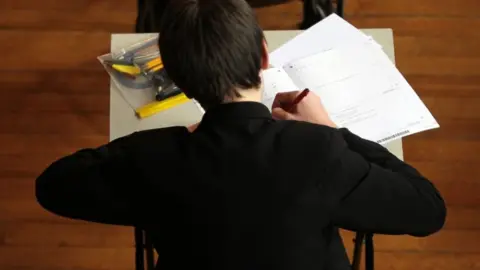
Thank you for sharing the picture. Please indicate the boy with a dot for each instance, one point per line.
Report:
(246, 189)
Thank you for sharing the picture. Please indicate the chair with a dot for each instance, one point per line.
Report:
(144, 251)
(360, 239)
(313, 11)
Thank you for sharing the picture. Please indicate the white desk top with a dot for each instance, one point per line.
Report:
(123, 120)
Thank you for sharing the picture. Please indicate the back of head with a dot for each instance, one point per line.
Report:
(211, 48)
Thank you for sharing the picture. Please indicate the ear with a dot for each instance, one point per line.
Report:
(265, 57)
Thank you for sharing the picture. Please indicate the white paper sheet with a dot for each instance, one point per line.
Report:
(363, 91)
(329, 33)
(275, 80)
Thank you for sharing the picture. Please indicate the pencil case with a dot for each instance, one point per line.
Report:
(138, 73)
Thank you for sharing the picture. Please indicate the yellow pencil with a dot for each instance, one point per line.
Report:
(132, 70)
(158, 106)
(156, 68)
(155, 62)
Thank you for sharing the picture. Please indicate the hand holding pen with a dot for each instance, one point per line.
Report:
(301, 106)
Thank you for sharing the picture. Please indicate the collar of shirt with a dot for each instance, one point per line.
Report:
(236, 111)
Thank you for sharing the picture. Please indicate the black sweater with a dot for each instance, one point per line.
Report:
(244, 191)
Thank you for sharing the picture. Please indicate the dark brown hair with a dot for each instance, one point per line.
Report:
(211, 48)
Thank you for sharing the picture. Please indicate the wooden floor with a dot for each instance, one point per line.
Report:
(54, 100)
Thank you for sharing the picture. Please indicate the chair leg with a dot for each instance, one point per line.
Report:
(149, 252)
(340, 7)
(357, 250)
(139, 252)
(369, 252)
(314, 11)
(140, 20)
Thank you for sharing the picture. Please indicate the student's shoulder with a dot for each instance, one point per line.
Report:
(164, 132)
(311, 142)
(154, 137)
(307, 131)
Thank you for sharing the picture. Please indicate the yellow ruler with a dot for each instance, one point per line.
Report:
(158, 106)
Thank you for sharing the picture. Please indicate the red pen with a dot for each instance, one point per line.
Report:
(297, 100)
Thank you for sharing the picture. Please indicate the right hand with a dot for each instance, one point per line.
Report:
(310, 109)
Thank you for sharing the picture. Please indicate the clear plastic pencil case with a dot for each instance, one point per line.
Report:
(137, 72)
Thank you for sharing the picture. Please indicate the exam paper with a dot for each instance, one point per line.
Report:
(275, 80)
(329, 33)
(363, 91)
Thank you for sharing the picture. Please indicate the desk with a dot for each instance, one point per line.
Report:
(123, 120)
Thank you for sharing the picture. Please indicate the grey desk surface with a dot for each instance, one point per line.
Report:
(123, 120)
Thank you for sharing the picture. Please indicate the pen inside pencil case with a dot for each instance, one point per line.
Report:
(149, 65)
(127, 74)
(129, 53)
(168, 92)
(150, 50)
(144, 58)
(154, 70)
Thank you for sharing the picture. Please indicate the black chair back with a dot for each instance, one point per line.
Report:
(150, 12)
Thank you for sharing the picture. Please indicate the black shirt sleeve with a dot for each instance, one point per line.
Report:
(100, 185)
(368, 189)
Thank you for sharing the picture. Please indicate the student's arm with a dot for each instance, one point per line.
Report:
(371, 190)
(99, 185)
